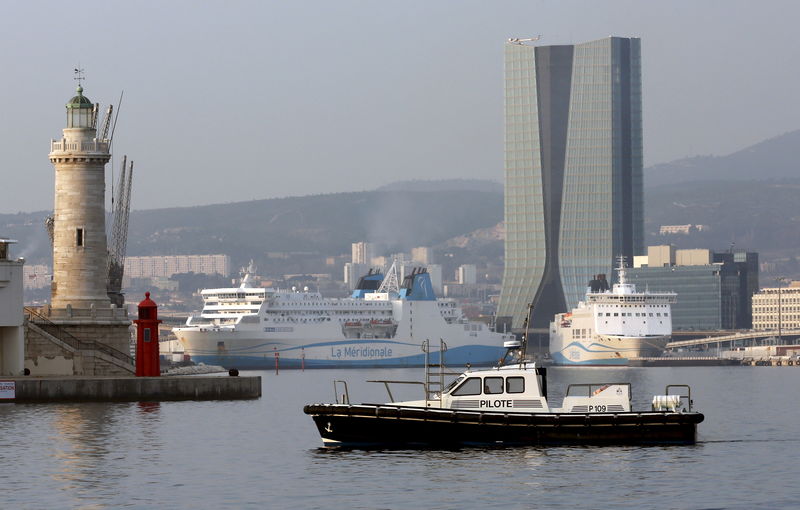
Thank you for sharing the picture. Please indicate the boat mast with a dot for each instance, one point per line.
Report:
(621, 272)
(524, 353)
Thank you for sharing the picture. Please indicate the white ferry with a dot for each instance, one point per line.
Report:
(610, 326)
(382, 324)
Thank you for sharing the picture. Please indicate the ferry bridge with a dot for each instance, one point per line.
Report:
(738, 339)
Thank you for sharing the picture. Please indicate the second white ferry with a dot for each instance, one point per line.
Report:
(612, 325)
(382, 324)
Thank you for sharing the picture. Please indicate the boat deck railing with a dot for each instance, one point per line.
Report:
(687, 396)
(386, 383)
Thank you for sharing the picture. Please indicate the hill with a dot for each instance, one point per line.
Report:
(445, 185)
(775, 158)
(325, 224)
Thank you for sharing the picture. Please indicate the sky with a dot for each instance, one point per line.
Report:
(235, 101)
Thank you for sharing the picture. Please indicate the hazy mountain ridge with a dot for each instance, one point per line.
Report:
(445, 185)
(774, 158)
(325, 224)
(758, 215)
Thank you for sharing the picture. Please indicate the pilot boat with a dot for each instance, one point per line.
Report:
(506, 405)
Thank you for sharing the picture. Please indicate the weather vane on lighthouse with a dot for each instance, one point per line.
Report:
(79, 74)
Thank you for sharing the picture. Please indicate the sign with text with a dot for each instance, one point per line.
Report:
(8, 390)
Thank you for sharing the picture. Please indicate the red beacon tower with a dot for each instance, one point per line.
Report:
(147, 362)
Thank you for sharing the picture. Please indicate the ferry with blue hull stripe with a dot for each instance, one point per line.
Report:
(461, 356)
(612, 325)
(382, 324)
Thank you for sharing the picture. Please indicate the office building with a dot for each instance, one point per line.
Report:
(708, 294)
(165, 266)
(422, 255)
(715, 290)
(362, 253)
(777, 308)
(573, 165)
(657, 256)
(467, 274)
(748, 268)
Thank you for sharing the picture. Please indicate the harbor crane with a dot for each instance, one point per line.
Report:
(121, 205)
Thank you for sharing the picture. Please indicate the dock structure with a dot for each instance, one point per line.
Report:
(12, 346)
(127, 389)
(741, 338)
(681, 361)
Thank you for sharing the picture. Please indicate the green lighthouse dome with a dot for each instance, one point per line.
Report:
(80, 111)
(80, 101)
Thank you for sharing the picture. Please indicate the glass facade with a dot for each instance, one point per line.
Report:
(708, 295)
(747, 265)
(573, 159)
(524, 221)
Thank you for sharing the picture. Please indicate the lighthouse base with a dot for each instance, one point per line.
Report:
(78, 342)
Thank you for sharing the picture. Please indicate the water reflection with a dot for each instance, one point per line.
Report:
(94, 447)
(148, 407)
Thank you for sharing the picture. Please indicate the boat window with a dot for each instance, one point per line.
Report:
(515, 385)
(492, 385)
(471, 386)
(578, 390)
(454, 383)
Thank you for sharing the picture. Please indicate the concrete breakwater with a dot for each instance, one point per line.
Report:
(131, 389)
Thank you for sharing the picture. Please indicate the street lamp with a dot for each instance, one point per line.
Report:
(780, 280)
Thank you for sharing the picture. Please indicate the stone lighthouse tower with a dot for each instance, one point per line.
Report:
(80, 255)
(80, 332)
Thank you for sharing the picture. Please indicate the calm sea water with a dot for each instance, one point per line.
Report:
(267, 454)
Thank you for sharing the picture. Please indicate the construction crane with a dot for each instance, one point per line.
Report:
(49, 225)
(106, 123)
(119, 233)
(517, 40)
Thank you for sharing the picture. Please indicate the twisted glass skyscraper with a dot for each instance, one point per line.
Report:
(573, 162)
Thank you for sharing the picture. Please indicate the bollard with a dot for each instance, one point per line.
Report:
(302, 359)
(277, 356)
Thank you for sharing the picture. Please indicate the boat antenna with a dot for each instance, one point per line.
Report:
(525, 337)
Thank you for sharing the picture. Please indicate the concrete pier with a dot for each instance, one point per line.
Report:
(128, 389)
(684, 361)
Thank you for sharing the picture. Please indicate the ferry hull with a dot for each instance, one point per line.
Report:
(393, 426)
(609, 351)
(374, 353)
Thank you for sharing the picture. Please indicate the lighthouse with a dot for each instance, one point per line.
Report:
(80, 254)
(80, 332)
